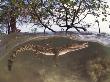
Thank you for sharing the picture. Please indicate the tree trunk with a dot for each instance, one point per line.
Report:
(13, 24)
(8, 28)
(44, 31)
(99, 30)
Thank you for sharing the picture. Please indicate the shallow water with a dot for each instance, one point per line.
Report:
(89, 64)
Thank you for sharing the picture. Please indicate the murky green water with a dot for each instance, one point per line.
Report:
(89, 64)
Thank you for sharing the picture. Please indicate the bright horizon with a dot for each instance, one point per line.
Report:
(104, 26)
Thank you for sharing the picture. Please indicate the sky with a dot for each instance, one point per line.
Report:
(104, 26)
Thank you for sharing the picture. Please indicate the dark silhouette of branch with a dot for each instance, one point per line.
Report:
(76, 12)
(81, 19)
(66, 15)
(60, 24)
(48, 10)
(84, 29)
(44, 24)
(38, 17)
(77, 28)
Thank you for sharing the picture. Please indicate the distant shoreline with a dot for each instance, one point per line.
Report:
(102, 38)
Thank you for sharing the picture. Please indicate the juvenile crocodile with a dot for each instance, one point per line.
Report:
(46, 49)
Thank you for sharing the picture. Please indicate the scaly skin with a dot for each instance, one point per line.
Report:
(46, 49)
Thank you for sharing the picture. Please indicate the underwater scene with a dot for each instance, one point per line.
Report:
(53, 58)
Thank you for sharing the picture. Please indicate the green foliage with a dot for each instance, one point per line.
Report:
(68, 11)
(65, 1)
